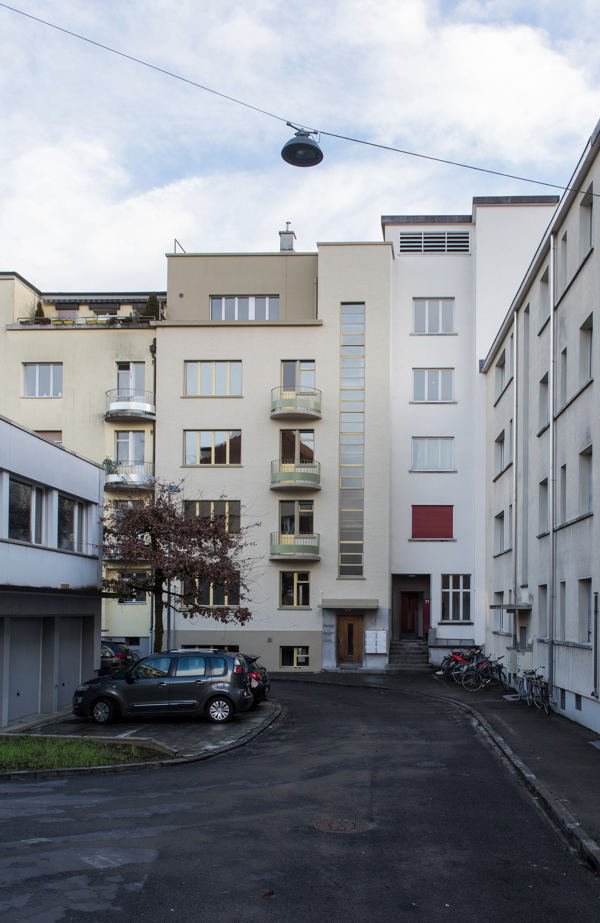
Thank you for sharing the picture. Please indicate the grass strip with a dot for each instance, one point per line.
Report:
(26, 751)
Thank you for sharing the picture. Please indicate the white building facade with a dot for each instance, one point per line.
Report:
(452, 276)
(50, 507)
(543, 470)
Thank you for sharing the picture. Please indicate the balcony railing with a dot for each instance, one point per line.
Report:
(123, 404)
(299, 475)
(305, 545)
(124, 475)
(93, 320)
(303, 402)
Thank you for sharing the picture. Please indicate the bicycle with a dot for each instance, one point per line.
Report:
(485, 673)
(541, 693)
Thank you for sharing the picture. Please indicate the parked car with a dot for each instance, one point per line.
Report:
(114, 655)
(259, 678)
(188, 682)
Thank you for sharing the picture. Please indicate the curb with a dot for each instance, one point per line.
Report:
(29, 774)
(575, 833)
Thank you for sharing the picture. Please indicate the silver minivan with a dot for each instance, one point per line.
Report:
(211, 683)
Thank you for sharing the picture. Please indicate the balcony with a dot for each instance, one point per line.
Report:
(305, 403)
(304, 547)
(123, 476)
(129, 404)
(295, 475)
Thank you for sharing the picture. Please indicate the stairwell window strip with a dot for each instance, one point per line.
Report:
(351, 440)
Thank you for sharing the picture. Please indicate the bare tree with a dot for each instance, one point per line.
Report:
(194, 559)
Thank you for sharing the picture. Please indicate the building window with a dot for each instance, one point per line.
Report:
(137, 596)
(213, 378)
(432, 453)
(543, 403)
(294, 588)
(561, 627)
(585, 481)
(499, 536)
(244, 307)
(432, 522)
(70, 523)
(130, 379)
(585, 350)
(25, 512)
(433, 315)
(297, 446)
(42, 379)
(434, 242)
(584, 610)
(130, 447)
(563, 377)
(294, 656)
(352, 440)
(501, 378)
(456, 597)
(562, 495)
(499, 609)
(499, 453)
(120, 507)
(433, 385)
(586, 222)
(229, 510)
(212, 447)
(297, 374)
(50, 435)
(562, 261)
(542, 610)
(543, 506)
(212, 594)
(544, 312)
(296, 517)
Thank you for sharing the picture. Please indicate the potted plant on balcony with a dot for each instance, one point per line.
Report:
(39, 316)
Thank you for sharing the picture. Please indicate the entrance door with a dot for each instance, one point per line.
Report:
(350, 639)
(409, 615)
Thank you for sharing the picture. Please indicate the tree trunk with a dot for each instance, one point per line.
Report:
(158, 611)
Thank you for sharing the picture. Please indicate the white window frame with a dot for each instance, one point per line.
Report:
(433, 316)
(236, 305)
(33, 369)
(430, 384)
(432, 453)
(456, 598)
(212, 378)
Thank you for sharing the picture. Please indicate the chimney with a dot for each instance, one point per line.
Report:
(286, 239)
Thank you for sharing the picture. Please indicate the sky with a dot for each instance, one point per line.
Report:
(105, 162)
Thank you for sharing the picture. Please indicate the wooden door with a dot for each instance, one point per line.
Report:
(350, 638)
(409, 615)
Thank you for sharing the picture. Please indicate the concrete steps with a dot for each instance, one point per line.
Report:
(408, 655)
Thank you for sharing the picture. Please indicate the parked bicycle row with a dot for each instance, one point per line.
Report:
(472, 669)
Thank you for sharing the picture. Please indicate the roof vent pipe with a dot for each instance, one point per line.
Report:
(286, 239)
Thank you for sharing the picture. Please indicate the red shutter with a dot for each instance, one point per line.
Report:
(432, 522)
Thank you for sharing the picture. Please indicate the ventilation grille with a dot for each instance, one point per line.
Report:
(434, 242)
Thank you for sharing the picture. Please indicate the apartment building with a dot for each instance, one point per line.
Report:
(542, 429)
(272, 407)
(452, 278)
(78, 369)
(50, 503)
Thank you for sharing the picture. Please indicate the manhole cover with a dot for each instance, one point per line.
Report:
(342, 825)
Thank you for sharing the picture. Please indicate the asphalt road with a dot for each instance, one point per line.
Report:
(358, 806)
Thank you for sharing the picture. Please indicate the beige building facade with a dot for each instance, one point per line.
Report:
(272, 398)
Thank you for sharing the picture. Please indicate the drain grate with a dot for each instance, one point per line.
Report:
(342, 825)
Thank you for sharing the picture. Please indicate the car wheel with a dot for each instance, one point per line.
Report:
(104, 711)
(219, 710)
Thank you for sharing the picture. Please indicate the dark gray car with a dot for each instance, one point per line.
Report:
(214, 684)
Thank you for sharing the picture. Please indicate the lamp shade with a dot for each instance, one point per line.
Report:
(302, 151)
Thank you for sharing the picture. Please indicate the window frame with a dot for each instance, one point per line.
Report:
(217, 303)
(458, 590)
(55, 386)
(422, 514)
(300, 589)
(434, 316)
(427, 386)
(429, 449)
(230, 435)
(232, 369)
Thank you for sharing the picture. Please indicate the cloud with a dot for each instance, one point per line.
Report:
(103, 162)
